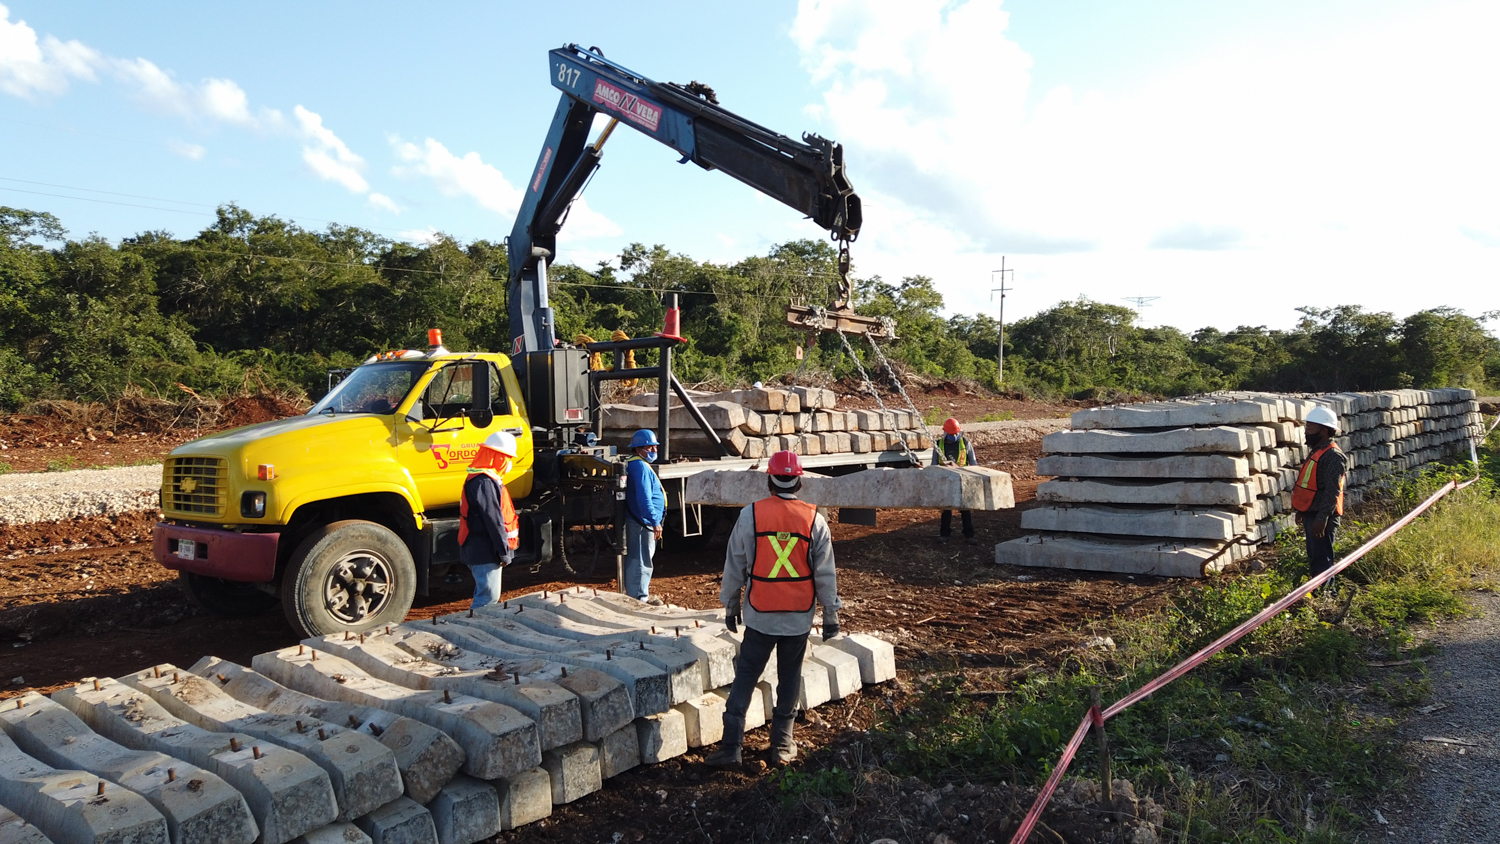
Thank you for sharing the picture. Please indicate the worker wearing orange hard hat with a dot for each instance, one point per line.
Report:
(954, 449)
(781, 555)
(489, 531)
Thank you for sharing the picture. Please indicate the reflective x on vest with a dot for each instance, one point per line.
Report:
(781, 575)
(783, 554)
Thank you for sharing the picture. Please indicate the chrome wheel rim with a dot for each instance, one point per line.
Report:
(358, 586)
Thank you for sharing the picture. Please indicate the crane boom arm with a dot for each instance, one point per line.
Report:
(807, 175)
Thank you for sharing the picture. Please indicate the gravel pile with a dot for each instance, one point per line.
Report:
(54, 496)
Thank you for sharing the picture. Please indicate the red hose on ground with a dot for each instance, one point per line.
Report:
(1219, 644)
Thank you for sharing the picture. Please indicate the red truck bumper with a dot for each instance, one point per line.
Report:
(246, 557)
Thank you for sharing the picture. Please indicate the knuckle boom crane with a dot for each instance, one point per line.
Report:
(807, 175)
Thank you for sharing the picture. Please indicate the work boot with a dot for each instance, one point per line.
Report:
(945, 539)
(783, 749)
(653, 601)
(969, 540)
(728, 753)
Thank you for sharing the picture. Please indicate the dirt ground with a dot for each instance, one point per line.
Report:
(84, 598)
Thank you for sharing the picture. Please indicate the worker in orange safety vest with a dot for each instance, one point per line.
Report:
(781, 554)
(489, 532)
(1318, 495)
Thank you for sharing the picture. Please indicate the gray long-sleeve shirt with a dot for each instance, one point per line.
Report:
(1330, 473)
(739, 559)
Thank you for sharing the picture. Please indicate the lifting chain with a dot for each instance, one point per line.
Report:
(870, 385)
(889, 325)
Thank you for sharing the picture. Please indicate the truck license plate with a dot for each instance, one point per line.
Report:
(186, 548)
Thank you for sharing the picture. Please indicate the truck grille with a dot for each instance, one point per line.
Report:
(194, 485)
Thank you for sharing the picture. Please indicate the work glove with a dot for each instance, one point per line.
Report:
(732, 620)
(830, 631)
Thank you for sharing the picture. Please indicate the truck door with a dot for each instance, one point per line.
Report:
(454, 424)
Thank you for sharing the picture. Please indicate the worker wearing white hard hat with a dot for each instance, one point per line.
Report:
(1318, 494)
(489, 532)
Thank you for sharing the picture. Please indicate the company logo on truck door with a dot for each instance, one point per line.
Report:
(447, 455)
(634, 109)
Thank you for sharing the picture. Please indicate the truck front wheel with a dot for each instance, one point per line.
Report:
(351, 575)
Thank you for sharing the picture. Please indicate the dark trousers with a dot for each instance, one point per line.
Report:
(755, 652)
(946, 528)
(1320, 552)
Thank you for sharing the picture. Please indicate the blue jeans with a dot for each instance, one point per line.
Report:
(640, 547)
(486, 584)
(755, 651)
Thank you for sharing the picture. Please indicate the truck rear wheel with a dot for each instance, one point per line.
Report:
(225, 598)
(351, 575)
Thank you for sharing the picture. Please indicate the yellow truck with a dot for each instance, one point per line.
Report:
(343, 514)
(343, 510)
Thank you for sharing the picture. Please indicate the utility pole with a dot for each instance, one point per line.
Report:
(1002, 290)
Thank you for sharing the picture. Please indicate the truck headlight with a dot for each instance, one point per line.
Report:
(253, 505)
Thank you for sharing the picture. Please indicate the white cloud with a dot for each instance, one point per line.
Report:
(422, 237)
(453, 175)
(1305, 169)
(220, 100)
(383, 202)
(328, 156)
(192, 152)
(224, 100)
(468, 175)
(29, 67)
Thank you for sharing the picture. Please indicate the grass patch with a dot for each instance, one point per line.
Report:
(1283, 737)
(63, 464)
(1001, 416)
(793, 786)
(5, 468)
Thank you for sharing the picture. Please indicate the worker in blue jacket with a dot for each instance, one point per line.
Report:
(646, 512)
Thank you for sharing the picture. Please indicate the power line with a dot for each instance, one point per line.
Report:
(109, 202)
(110, 192)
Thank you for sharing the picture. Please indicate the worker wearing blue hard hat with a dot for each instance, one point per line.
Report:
(646, 513)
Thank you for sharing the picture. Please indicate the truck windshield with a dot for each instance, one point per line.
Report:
(374, 388)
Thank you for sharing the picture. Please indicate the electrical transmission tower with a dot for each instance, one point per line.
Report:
(1140, 301)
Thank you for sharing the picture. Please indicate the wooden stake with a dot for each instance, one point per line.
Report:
(1107, 786)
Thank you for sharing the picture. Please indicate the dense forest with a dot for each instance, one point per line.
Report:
(253, 302)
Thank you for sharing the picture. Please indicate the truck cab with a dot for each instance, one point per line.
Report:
(341, 513)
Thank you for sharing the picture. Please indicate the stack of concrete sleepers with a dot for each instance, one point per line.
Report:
(446, 731)
(1395, 432)
(760, 421)
(1185, 487)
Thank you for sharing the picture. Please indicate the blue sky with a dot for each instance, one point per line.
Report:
(1236, 160)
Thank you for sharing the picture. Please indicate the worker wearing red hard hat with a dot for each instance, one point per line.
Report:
(954, 449)
(1318, 494)
(781, 554)
(489, 532)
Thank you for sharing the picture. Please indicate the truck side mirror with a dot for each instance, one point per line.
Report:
(414, 416)
(482, 417)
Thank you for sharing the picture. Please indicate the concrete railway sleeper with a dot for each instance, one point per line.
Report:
(419, 732)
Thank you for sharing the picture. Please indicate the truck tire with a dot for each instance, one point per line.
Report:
(351, 575)
(224, 598)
